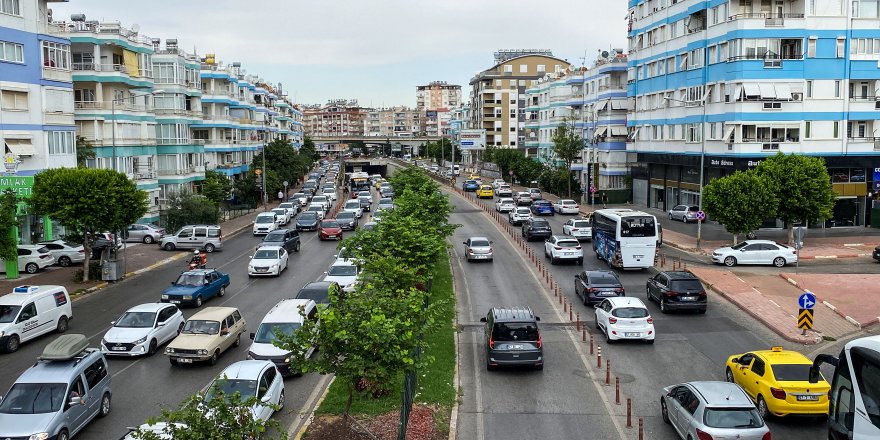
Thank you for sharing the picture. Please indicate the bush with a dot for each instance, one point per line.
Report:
(189, 209)
(94, 272)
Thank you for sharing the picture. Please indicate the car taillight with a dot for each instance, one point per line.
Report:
(491, 343)
(577, 247)
(766, 436)
(612, 320)
(574, 229)
(670, 293)
(540, 343)
(703, 435)
(490, 249)
(778, 393)
(592, 290)
(619, 290)
(557, 248)
(650, 320)
(702, 293)
(82, 251)
(794, 251)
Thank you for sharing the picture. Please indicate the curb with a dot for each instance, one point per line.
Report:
(302, 430)
(833, 308)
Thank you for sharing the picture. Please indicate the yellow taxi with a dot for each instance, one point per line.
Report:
(473, 176)
(378, 183)
(779, 382)
(485, 191)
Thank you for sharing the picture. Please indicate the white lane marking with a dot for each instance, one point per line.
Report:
(305, 413)
(478, 393)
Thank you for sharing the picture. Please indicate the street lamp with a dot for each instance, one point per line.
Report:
(702, 159)
(113, 114)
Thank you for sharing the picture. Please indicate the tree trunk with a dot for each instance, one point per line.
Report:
(735, 238)
(790, 227)
(568, 179)
(348, 402)
(88, 253)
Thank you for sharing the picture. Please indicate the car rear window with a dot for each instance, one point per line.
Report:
(479, 243)
(318, 295)
(637, 227)
(582, 224)
(686, 285)
(603, 279)
(630, 312)
(791, 372)
(515, 331)
(568, 243)
(540, 224)
(732, 418)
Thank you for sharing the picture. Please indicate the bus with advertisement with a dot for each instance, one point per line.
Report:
(854, 401)
(625, 238)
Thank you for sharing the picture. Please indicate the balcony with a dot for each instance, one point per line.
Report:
(122, 141)
(143, 175)
(183, 171)
(177, 112)
(56, 74)
(180, 141)
(109, 68)
(108, 105)
(770, 19)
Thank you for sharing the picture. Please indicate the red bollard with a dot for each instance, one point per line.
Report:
(569, 313)
(616, 390)
(577, 322)
(599, 356)
(641, 428)
(584, 338)
(560, 299)
(608, 372)
(685, 265)
(629, 422)
(564, 305)
(591, 338)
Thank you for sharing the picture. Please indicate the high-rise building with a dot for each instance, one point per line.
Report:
(719, 86)
(435, 100)
(393, 122)
(339, 117)
(497, 97)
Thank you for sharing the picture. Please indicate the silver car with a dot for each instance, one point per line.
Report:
(684, 213)
(711, 409)
(478, 249)
(146, 233)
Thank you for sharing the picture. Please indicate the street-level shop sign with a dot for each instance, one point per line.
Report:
(877, 178)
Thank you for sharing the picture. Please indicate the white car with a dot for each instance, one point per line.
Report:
(353, 205)
(560, 247)
(31, 258)
(251, 379)
(282, 216)
(504, 191)
(519, 215)
(567, 206)
(625, 317)
(291, 207)
(330, 193)
(345, 273)
(522, 198)
(323, 200)
(65, 253)
(265, 223)
(505, 205)
(497, 183)
(578, 228)
(317, 208)
(268, 260)
(300, 198)
(755, 252)
(142, 329)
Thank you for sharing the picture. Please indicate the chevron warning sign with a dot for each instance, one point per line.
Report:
(805, 319)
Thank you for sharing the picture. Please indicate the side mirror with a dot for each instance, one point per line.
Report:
(172, 283)
(464, 242)
(75, 401)
(253, 335)
(537, 318)
(595, 306)
(483, 319)
(814, 374)
(161, 324)
(224, 332)
(112, 322)
(735, 360)
(326, 273)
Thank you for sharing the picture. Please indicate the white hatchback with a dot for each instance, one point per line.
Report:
(353, 205)
(330, 193)
(142, 329)
(345, 273)
(251, 379)
(560, 247)
(505, 205)
(567, 206)
(625, 317)
(578, 228)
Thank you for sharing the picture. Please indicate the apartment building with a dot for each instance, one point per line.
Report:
(397, 121)
(435, 100)
(593, 101)
(339, 117)
(497, 96)
(725, 84)
(36, 104)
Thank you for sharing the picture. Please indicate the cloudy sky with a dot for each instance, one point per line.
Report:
(376, 51)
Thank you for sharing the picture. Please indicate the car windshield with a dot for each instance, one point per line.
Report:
(266, 254)
(318, 295)
(385, 201)
(319, 199)
(245, 388)
(581, 224)
(515, 331)
(686, 285)
(33, 398)
(368, 226)
(298, 195)
(479, 243)
(342, 270)
(637, 227)
(630, 312)
(567, 243)
(316, 208)
(329, 224)
(309, 216)
(471, 182)
(265, 218)
(201, 327)
(364, 194)
(274, 236)
(569, 202)
(791, 372)
(136, 320)
(8, 313)
(285, 206)
(280, 211)
(732, 418)
(542, 203)
(190, 279)
(522, 210)
(266, 333)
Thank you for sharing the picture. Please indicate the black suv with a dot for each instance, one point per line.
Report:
(512, 338)
(593, 286)
(677, 290)
(536, 228)
(286, 238)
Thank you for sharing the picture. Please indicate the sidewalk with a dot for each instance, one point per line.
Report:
(852, 296)
(140, 258)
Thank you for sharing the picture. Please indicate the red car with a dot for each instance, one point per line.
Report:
(330, 230)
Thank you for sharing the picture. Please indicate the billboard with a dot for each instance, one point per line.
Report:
(472, 140)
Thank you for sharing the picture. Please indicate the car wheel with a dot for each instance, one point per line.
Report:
(198, 301)
(31, 268)
(169, 246)
(608, 339)
(62, 324)
(730, 261)
(237, 341)
(209, 248)
(153, 347)
(281, 400)
(12, 344)
(729, 375)
(762, 407)
(670, 216)
(779, 262)
(213, 359)
(105, 405)
(649, 341)
(296, 247)
(64, 261)
(580, 261)
(489, 366)
(222, 291)
(180, 328)
(63, 435)
(552, 259)
(648, 294)
(148, 239)
(701, 311)
(684, 219)
(664, 413)
(172, 361)
(540, 367)
(663, 307)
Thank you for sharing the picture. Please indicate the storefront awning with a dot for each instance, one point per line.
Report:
(618, 104)
(20, 147)
(602, 106)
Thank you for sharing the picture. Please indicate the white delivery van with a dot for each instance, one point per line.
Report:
(31, 311)
(284, 317)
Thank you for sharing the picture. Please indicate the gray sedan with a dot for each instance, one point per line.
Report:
(478, 248)
(146, 233)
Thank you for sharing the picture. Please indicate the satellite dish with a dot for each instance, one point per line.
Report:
(135, 28)
(604, 54)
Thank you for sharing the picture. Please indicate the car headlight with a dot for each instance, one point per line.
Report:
(169, 350)
(140, 341)
(187, 297)
(203, 352)
(39, 436)
(164, 296)
(287, 360)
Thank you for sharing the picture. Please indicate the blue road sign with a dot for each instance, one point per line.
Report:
(807, 300)
(467, 143)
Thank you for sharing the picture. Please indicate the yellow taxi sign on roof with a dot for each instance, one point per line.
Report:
(776, 349)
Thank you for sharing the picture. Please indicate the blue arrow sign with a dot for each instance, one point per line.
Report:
(807, 300)
(467, 143)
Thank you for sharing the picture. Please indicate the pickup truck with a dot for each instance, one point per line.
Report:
(196, 286)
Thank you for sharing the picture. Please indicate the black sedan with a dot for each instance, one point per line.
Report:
(307, 221)
(593, 286)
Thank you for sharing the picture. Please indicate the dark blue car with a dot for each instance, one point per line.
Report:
(470, 185)
(196, 286)
(542, 207)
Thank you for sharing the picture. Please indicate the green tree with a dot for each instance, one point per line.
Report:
(308, 150)
(740, 202)
(527, 170)
(86, 201)
(245, 190)
(185, 208)
(223, 417)
(216, 187)
(8, 222)
(85, 151)
(567, 146)
(802, 188)
(282, 162)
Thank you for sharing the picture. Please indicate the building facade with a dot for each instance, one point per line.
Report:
(592, 101)
(435, 100)
(393, 122)
(37, 127)
(727, 84)
(339, 117)
(497, 95)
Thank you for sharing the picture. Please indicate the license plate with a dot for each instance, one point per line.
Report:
(174, 301)
(569, 254)
(638, 256)
(688, 298)
(606, 293)
(331, 236)
(807, 397)
(631, 335)
(118, 348)
(184, 360)
(515, 347)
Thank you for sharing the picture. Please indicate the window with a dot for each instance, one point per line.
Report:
(693, 132)
(523, 68)
(13, 100)
(508, 68)
(27, 312)
(76, 390)
(95, 373)
(841, 46)
(12, 52)
(11, 7)
(809, 89)
(808, 128)
(60, 142)
(837, 89)
(758, 367)
(59, 100)
(866, 366)
(811, 48)
(56, 55)
(542, 68)
(836, 131)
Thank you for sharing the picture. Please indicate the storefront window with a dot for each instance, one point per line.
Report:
(857, 175)
(840, 175)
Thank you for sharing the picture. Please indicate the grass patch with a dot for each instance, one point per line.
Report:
(435, 383)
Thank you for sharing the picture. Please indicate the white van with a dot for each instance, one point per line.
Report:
(31, 311)
(285, 317)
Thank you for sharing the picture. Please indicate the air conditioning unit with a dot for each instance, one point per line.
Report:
(797, 96)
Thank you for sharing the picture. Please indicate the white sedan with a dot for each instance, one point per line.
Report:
(344, 272)
(625, 317)
(142, 329)
(330, 193)
(578, 228)
(251, 379)
(558, 248)
(505, 205)
(268, 260)
(282, 216)
(567, 206)
(65, 253)
(755, 252)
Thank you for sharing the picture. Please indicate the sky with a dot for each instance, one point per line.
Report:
(375, 51)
